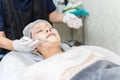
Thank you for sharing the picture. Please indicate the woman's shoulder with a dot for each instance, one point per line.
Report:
(17, 58)
(11, 55)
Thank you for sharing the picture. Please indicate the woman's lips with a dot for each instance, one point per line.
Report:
(51, 34)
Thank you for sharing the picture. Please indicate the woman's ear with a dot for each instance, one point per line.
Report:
(36, 49)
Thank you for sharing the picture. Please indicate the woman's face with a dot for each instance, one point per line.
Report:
(45, 31)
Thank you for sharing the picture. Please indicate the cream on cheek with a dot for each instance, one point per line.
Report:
(40, 36)
(53, 36)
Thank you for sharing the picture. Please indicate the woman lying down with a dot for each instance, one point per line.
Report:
(49, 61)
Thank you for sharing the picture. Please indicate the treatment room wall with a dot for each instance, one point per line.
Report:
(68, 34)
(64, 31)
(102, 26)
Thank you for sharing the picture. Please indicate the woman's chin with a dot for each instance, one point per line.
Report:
(52, 39)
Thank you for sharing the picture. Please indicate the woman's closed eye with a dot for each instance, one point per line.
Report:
(43, 30)
(39, 31)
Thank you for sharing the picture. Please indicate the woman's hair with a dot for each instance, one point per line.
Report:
(26, 30)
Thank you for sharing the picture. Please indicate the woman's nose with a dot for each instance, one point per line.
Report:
(48, 29)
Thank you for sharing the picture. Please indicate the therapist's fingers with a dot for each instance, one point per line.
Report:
(23, 39)
(34, 43)
(27, 42)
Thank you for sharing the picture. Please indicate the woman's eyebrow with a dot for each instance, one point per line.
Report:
(39, 27)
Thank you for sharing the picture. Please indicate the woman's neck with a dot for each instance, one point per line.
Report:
(51, 52)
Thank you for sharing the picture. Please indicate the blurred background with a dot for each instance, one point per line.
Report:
(100, 28)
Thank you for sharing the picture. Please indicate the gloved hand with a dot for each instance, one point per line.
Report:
(25, 44)
(72, 21)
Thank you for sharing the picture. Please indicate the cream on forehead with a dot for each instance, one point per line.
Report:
(39, 25)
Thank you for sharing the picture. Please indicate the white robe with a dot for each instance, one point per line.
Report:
(16, 66)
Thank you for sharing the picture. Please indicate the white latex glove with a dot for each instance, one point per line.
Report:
(25, 44)
(72, 21)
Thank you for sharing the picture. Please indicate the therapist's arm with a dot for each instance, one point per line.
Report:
(24, 44)
(5, 42)
(56, 17)
(70, 19)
